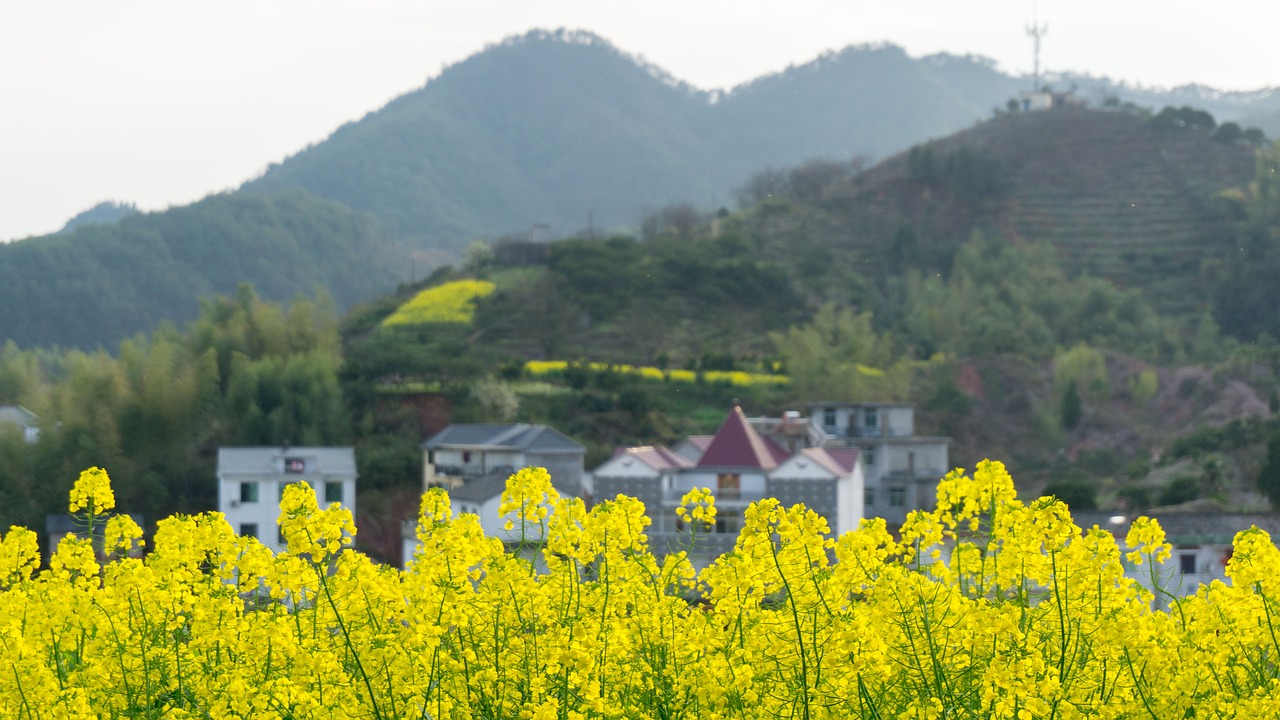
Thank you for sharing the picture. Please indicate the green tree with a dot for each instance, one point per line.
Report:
(1269, 477)
(839, 356)
(1072, 406)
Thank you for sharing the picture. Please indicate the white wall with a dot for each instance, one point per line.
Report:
(265, 513)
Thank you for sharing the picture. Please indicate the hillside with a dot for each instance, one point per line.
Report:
(564, 129)
(97, 284)
(1116, 197)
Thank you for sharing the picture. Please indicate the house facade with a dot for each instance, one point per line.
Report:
(22, 418)
(901, 468)
(251, 483)
(740, 466)
(1202, 545)
(464, 452)
(473, 461)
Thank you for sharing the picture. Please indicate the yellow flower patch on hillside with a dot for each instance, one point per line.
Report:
(737, 378)
(452, 302)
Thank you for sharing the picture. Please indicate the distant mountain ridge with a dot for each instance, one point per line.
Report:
(97, 284)
(562, 128)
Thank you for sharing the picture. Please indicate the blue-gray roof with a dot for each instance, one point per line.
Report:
(272, 461)
(481, 489)
(510, 436)
(1191, 528)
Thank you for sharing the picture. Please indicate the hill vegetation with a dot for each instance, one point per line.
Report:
(98, 283)
(560, 128)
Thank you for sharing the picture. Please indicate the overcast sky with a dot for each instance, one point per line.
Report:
(159, 102)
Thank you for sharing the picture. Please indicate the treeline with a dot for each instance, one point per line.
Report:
(245, 372)
(96, 284)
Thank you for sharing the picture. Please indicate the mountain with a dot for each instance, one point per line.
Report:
(97, 284)
(104, 213)
(561, 128)
(1116, 195)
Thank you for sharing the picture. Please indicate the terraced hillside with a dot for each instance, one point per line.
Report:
(1117, 197)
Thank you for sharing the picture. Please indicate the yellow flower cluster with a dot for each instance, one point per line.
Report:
(452, 302)
(92, 492)
(737, 378)
(983, 608)
(699, 506)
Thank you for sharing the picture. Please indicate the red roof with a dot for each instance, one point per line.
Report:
(846, 457)
(736, 444)
(659, 457)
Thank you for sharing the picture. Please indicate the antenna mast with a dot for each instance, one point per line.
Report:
(1036, 31)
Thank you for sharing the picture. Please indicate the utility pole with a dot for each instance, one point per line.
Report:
(1036, 31)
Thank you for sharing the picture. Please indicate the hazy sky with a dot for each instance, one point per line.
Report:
(159, 102)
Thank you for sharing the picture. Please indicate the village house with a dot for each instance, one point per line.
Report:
(902, 468)
(740, 466)
(251, 483)
(23, 419)
(473, 461)
(1202, 544)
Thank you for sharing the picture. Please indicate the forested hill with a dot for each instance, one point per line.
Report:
(1133, 199)
(97, 284)
(564, 129)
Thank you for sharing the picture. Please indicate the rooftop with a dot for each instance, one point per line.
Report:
(509, 436)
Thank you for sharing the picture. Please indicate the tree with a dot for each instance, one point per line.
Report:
(839, 356)
(1078, 495)
(1269, 477)
(1072, 407)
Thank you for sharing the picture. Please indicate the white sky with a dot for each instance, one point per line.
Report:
(160, 102)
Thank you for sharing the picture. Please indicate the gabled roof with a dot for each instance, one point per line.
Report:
(845, 458)
(271, 460)
(481, 489)
(737, 444)
(657, 457)
(837, 461)
(702, 442)
(17, 415)
(510, 436)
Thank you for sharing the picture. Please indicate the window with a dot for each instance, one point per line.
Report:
(728, 524)
(869, 418)
(868, 496)
(897, 497)
(333, 492)
(829, 417)
(729, 486)
(249, 530)
(1187, 563)
(280, 536)
(295, 465)
(869, 456)
(248, 492)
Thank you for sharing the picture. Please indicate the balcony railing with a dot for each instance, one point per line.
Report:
(671, 496)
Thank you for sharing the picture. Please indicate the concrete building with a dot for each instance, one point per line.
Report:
(902, 469)
(1201, 545)
(739, 466)
(251, 482)
(464, 452)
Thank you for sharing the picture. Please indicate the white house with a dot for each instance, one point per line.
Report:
(466, 452)
(740, 466)
(251, 482)
(1201, 545)
(25, 420)
(473, 461)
